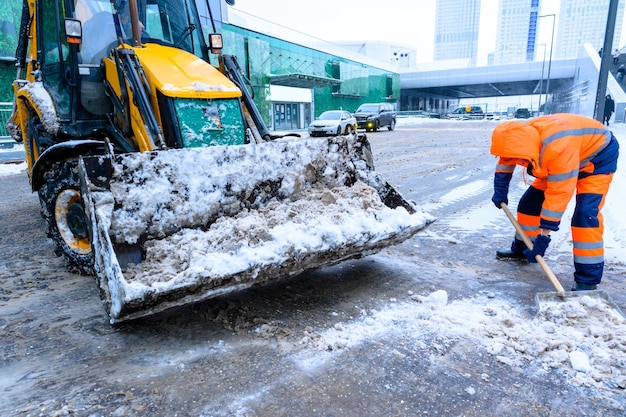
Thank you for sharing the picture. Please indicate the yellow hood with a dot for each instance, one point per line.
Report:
(516, 140)
(177, 73)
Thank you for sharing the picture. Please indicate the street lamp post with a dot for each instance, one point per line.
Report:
(541, 82)
(604, 61)
(550, 61)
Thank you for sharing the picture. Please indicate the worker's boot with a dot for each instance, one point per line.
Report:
(509, 255)
(516, 253)
(581, 286)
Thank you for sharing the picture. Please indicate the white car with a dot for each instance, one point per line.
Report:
(333, 122)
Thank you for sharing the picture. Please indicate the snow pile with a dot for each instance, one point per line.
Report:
(157, 194)
(12, 169)
(581, 336)
(322, 220)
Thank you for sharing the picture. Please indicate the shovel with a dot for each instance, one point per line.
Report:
(545, 300)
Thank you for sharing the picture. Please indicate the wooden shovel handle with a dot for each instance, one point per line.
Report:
(544, 266)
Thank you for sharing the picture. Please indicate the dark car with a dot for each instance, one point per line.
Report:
(373, 116)
(522, 113)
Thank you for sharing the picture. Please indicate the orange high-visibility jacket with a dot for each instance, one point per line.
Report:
(558, 147)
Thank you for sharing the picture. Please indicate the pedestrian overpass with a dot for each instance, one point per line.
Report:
(571, 85)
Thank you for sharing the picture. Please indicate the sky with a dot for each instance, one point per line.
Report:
(398, 21)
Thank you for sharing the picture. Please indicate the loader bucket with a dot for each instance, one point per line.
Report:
(178, 226)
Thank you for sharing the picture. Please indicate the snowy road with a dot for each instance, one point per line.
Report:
(435, 326)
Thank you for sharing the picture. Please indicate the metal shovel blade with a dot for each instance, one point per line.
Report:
(596, 300)
(179, 226)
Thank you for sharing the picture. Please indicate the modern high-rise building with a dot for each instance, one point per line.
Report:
(517, 31)
(456, 30)
(574, 23)
(584, 21)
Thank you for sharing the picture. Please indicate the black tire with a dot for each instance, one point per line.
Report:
(348, 129)
(63, 210)
(376, 126)
(338, 130)
(392, 125)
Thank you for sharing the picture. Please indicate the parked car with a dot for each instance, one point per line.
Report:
(522, 113)
(373, 116)
(333, 122)
(496, 115)
(466, 113)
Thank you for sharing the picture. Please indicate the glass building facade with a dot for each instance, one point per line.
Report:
(456, 30)
(294, 81)
(10, 15)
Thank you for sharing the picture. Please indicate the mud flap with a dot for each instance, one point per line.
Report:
(179, 226)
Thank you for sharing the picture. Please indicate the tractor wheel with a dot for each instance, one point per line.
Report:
(68, 225)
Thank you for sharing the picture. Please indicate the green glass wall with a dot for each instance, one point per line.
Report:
(10, 14)
(260, 55)
(253, 55)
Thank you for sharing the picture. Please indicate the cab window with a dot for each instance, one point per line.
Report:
(55, 51)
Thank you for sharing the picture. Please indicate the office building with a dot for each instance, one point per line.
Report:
(516, 39)
(456, 30)
(574, 22)
(584, 21)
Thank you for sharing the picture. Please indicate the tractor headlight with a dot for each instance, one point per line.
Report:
(215, 43)
(73, 30)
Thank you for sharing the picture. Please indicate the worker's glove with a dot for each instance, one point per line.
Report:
(539, 248)
(501, 188)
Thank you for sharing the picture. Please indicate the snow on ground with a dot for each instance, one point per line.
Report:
(580, 337)
(12, 169)
(9, 152)
(584, 337)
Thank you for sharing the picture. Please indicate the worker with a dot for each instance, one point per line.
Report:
(565, 153)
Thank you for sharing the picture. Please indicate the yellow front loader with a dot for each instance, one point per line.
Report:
(156, 172)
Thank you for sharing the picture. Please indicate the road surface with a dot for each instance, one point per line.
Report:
(350, 340)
